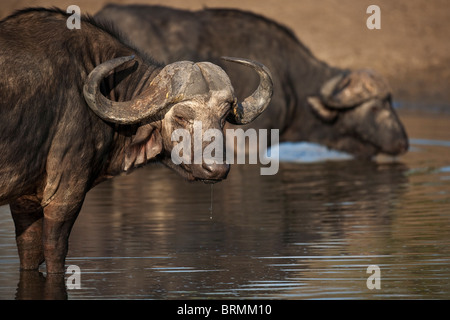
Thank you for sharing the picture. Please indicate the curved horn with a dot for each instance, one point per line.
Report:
(349, 89)
(254, 105)
(127, 112)
(327, 90)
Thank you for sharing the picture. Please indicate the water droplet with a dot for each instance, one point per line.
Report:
(211, 207)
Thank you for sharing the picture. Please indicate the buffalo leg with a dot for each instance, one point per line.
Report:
(58, 222)
(28, 215)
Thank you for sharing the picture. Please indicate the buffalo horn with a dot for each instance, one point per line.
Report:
(252, 106)
(349, 89)
(127, 112)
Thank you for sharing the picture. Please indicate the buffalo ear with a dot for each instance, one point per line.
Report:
(145, 145)
(320, 110)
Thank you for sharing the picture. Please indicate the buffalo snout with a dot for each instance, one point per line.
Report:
(397, 145)
(211, 173)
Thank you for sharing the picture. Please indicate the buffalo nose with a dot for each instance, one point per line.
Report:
(403, 146)
(216, 171)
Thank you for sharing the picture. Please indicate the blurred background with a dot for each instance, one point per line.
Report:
(412, 48)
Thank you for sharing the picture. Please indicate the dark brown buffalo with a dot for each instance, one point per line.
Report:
(342, 109)
(80, 106)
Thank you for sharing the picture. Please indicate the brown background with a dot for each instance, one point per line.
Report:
(412, 49)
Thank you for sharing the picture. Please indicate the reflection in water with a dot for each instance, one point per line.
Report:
(34, 286)
(310, 231)
(255, 218)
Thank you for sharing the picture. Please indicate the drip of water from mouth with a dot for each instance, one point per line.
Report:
(211, 207)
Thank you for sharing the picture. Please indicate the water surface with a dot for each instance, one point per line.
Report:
(309, 232)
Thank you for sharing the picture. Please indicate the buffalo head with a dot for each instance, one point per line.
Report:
(359, 104)
(181, 94)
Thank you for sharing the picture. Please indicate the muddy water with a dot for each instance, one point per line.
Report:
(311, 231)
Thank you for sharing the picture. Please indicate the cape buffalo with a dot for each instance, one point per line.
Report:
(80, 106)
(342, 109)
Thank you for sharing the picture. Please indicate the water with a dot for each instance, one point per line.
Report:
(309, 232)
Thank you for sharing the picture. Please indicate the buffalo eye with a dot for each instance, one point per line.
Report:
(376, 108)
(183, 115)
(224, 119)
(181, 120)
